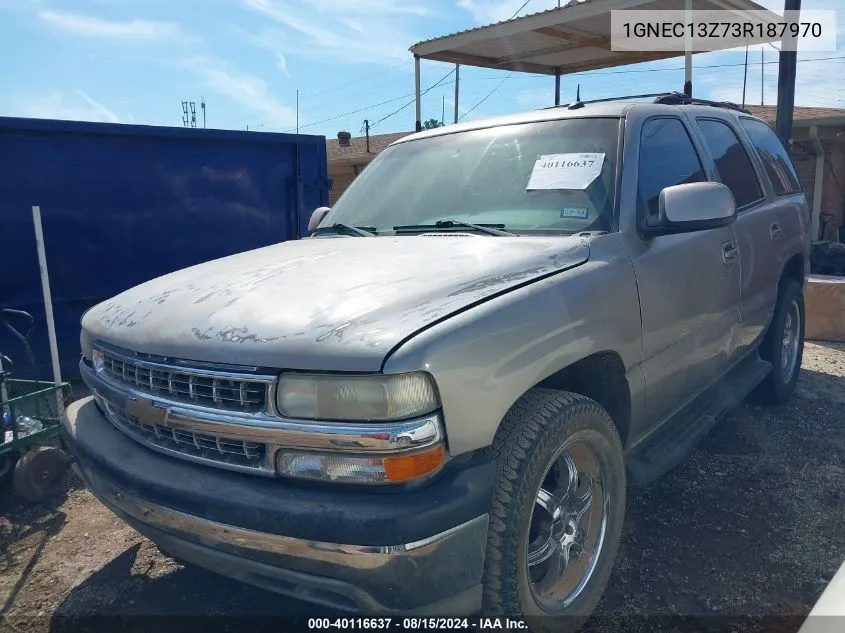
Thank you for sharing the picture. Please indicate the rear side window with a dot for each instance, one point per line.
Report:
(667, 158)
(779, 167)
(732, 161)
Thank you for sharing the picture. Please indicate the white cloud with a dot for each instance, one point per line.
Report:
(366, 31)
(247, 90)
(58, 106)
(373, 7)
(92, 26)
(489, 11)
(98, 107)
(282, 64)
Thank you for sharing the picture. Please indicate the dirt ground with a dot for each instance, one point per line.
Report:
(750, 524)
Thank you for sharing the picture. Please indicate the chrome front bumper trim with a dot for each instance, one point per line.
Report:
(452, 561)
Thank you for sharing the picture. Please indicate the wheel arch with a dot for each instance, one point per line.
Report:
(601, 377)
(793, 269)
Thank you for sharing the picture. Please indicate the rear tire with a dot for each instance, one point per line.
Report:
(783, 347)
(557, 511)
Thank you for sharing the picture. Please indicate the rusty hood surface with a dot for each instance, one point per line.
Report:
(322, 303)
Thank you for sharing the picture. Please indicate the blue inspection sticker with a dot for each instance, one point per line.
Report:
(575, 212)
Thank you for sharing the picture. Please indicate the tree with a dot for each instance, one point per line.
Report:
(432, 123)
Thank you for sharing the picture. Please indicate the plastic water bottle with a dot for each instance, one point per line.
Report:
(23, 424)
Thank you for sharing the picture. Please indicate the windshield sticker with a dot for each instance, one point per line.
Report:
(575, 212)
(565, 171)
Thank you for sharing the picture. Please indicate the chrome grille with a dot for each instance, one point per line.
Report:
(231, 394)
(190, 443)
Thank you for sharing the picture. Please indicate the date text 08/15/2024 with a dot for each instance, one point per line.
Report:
(413, 624)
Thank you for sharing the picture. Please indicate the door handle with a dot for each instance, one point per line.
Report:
(775, 231)
(729, 253)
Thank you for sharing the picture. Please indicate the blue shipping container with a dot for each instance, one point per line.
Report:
(122, 204)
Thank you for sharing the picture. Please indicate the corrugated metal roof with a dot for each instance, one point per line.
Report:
(572, 38)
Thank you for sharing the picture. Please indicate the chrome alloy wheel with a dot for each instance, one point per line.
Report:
(568, 525)
(790, 341)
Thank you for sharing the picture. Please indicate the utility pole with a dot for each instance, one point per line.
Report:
(787, 66)
(443, 112)
(202, 105)
(367, 133)
(745, 76)
(762, 75)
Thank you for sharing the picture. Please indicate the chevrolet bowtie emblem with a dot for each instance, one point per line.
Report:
(147, 412)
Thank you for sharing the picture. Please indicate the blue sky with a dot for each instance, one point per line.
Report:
(135, 61)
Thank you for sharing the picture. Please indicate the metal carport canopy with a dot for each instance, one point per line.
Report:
(569, 39)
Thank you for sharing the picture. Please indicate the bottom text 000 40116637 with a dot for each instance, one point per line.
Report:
(415, 624)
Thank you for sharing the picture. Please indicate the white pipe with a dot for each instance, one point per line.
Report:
(818, 183)
(48, 302)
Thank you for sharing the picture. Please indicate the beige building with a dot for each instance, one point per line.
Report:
(818, 152)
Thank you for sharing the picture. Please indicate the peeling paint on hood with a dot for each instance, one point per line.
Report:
(323, 303)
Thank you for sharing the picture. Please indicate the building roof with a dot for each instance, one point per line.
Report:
(356, 153)
(572, 38)
(801, 115)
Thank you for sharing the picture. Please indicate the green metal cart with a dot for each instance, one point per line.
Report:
(30, 413)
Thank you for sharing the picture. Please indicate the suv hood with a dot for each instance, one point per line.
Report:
(323, 303)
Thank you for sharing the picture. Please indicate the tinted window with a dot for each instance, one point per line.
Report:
(667, 157)
(779, 168)
(732, 161)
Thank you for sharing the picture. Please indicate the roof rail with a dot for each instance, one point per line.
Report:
(580, 104)
(678, 98)
(666, 98)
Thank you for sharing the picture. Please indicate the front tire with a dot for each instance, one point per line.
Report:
(783, 347)
(557, 511)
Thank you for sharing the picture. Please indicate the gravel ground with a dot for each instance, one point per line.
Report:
(751, 524)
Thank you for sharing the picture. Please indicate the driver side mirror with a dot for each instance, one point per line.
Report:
(695, 206)
(318, 216)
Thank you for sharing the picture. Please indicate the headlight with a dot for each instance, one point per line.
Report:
(372, 397)
(97, 359)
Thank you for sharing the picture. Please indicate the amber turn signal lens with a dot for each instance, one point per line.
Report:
(400, 468)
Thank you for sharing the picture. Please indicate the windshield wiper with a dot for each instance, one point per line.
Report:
(338, 227)
(490, 229)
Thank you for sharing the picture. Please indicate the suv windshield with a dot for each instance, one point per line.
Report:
(545, 176)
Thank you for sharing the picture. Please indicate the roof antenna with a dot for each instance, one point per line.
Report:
(577, 104)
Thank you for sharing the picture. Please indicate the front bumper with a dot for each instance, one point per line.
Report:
(419, 551)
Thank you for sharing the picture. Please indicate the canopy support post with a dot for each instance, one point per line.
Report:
(457, 84)
(417, 91)
(557, 86)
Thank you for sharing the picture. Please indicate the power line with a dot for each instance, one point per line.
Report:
(519, 9)
(489, 94)
(658, 70)
(501, 81)
(358, 81)
(376, 105)
(441, 80)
